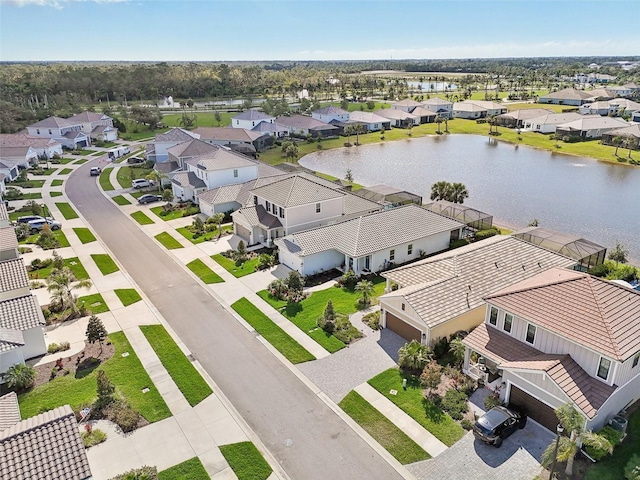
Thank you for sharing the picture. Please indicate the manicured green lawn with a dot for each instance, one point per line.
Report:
(74, 265)
(104, 181)
(199, 239)
(205, 119)
(126, 373)
(55, 194)
(169, 216)
(137, 195)
(612, 467)
(83, 152)
(31, 196)
(58, 235)
(105, 263)
(65, 171)
(127, 296)
(64, 161)
(229, 265)
(126, 174)
(56, 182)
(85, 235)
(306, 313)
(181, 370)
(48, 171)
(188, 470)
(246, 461)
(141, 218)
(67, 211)
(168, 241)
(95, 303)
(120, 200)
(203, 272)
(28, 184)
(277, 337)
(413, 403)
(394, 440)
(81, 161)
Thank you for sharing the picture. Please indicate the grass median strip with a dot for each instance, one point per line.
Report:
(56, 182)
(120, 200)
(141, 218)
(168, 241)
(394, 440)
(104, 181)
(84, 235)
(189, 470)
(105, 263)
(67, 211)
(246, 461)
(127, 296)
(181, 370)
(203, 272)
(281, 341)
(55, 194)
(65, 171)
(230, 266)
(94, 303)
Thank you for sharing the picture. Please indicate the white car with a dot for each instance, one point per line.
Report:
(141, 183)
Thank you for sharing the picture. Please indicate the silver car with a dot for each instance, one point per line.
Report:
(36, 225)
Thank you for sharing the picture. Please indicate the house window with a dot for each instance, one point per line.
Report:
(403, 307)
(274, 209)
(508, 320)
(255, 200)
(531, 334)
(281, 212)
(410, 249)
(317, 208)
(603, 368)
(49, 131)
(267, 206)
(38, 131)
(235, 173)
(493, 316)
(392, 255)
(635, 360)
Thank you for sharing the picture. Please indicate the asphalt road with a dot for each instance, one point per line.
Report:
(308, 439)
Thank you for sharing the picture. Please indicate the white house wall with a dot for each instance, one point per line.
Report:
(35, 344)
(393, 305)
(291, 260)
(431, 244)
(218, 178)
(622, 397)
(304, 217)
(249, 124)
(321, 262)
(10, 358)
(328, 118)
(626, 373)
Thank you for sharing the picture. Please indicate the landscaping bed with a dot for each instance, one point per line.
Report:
(171, 212)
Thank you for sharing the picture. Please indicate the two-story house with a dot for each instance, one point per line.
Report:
(440, 106)
(250, 119)
(330, 114)
(64, 130)
(560, 336)
(97, 125)
(158, 150)
(12, 159)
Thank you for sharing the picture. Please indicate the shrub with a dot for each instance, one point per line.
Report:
(278, 289)
(64, 345)
(344, 330)
(53, 348)
(348, 279)
(22, 232)
(611, 434)
(458, 243)
(20, 376)
(441, 347)
(482, 234)
(491, 401)
(46, 240)
(124, 416)
(372, 320)
(466, 424)
(327, 321)
(632, 468)
(143, 473)
(455, 403)
(413, 356)
(94, 437)
(265, 261)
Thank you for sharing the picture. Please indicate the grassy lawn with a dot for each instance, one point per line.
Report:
(64, 161)
(84, 234)
(126, 174)
(277, 337)
(137, 195)
(169, 216)
(120, 200)
(67, 211)
(83, 152)
(306, 313)
(55, 194)
(168, 241)
(65, 171)
(58, 235)
(56, 182)
(394, 440)
(104, 181)
(126, 373)
(28, 184)
(127, 296)
(141, 218)
(246, 461)
(95, 303)
(30, 196)
(48, 171)
(612, 467)
(205, 119)
(73, 264)
(199, 239)
(105, 263)
(229, 265)
(203, 272)
(182, 371)
(413, 403)
(188, 470)
(81, 161)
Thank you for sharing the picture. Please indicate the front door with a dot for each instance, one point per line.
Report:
(367, 262)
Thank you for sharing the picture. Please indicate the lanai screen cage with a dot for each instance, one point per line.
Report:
(388, 196)
(471, 217)
(587, 253)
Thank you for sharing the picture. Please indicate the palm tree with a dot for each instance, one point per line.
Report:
(458, 193)
(20, 376)
(573, 422)
(440, 190)
(217, 219)
(439, 123)
(61, 285)
(365, 288)
(617, 141)
(348, 131)
(630, 143)
(457, 348)
(413, 356)
(157, 176)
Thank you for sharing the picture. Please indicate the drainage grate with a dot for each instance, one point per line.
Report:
(191, 357)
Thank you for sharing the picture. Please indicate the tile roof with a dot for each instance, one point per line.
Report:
(22, 139)
(423, 112)
(452, 283)
(191, 148)
(221, 158)
(47, 446)
(8, 240)
(296, 190)
(593, 123)
(87, 116)
(590, 311)
(257, 216)
(228, 134)
(252, 115)
(366, 117)
(188, 179)
(265, 170)
(372, 232)
(13, 275)
(393, 114)
(633, 130)
(10, 339)
(331, 110)
(55, 122)
(556, 118)
(175, 135)
(269, 127)
(525, 113)
(303, 122)
(468, 107)
(437, 101)
(625, 103)
(166, 167)
(407, 102)
(9, 410)
(498, 346)
(15, 152)
(224, 194)
(4, 216)
(353, 204)
(21, 313)
(568, 94)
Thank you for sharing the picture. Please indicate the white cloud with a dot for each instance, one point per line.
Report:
(54, 3)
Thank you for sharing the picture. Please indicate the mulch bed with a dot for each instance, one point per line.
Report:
(78, 362)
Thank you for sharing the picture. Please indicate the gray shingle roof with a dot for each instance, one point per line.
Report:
(331, 110)
(188, 179)
(21, 313)
(47, 446)
(55, 122)
(228, 134)
(257, 216)
(175, 135)
(303, 122)
(10, 339)
(221, 158)
(9, 410)
(191, 148)
(13, 275)
(296, 190)
(87, 116)
(252, 115)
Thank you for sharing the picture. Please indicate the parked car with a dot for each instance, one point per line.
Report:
(29, 218)
(497, 424)
(141, 183)
(36, 225)
(149, 198)
(95, 171)
(134, 160)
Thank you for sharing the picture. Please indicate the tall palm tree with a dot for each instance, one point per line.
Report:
(439, 123)
(458, 349)
(413, 356)
(617, 141)
(157, 176)
(458, 193)
(358, 129)
(60, 284)
(440, 190)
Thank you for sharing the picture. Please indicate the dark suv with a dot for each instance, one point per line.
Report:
(497, 424)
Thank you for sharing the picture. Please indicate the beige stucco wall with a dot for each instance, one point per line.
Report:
(467, 321)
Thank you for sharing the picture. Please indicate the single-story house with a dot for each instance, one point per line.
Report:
(439, 105)
(473, 109)
(368, 243)
(398, 118)
(303, 125)
(566, 96)
(597, 108)
(327, 114)
(370, 121)
(443, 294)
(427, 116)
(548, 122)
(517, 118)
(598, 94)
(230, 137)
(621, 91)
(560, 337)
(590, 127)
(626, 132)
(250, 118)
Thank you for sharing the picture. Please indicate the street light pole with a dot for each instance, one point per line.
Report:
(559, 430)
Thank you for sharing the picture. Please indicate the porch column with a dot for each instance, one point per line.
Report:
(387, 287)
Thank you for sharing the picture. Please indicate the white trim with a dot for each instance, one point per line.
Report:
(605, 379)
(509, 383)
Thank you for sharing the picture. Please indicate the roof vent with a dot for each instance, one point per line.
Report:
(496, 263)
(523, 267)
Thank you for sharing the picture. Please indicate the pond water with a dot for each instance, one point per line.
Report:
(577, 195)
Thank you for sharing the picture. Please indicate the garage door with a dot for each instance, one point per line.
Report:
(403, 329)
(534, 408)
(243, 233)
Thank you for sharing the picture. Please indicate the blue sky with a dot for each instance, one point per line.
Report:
(216, 30)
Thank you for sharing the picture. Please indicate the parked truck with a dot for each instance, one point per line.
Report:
(118, 152)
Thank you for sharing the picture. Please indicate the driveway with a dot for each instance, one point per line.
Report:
(517, 459)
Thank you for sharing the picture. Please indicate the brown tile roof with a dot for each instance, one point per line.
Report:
(598, 314)
(4, 216)
(21, 313)
(9, 410)
(13, 275)
(498, 346)
(47, 446)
